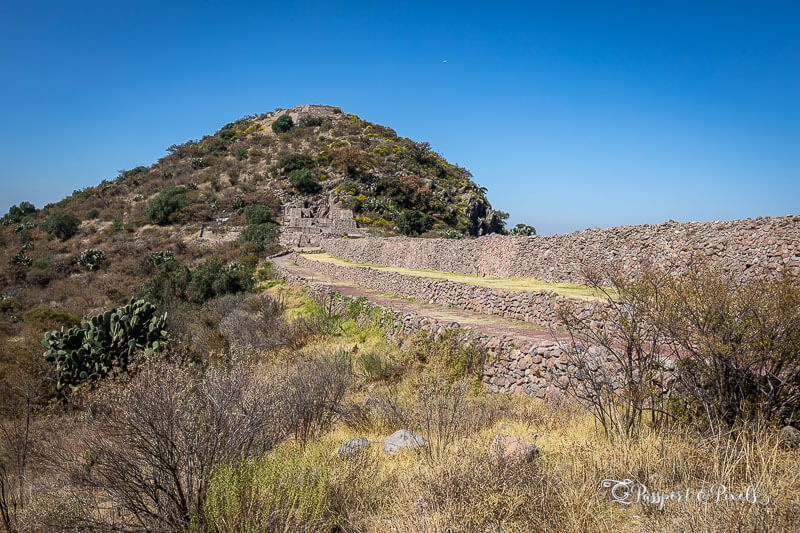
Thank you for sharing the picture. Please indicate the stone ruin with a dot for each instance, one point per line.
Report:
(304, 226)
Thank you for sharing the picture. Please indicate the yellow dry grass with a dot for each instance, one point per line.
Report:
(518, 284)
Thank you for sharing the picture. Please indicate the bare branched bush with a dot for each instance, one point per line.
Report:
(737, 343)
(618, 356)
(312, 391)
(157, 440)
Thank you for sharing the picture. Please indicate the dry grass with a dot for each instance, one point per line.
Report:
(572, 290)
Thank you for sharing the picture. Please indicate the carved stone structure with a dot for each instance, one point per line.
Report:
(304, 226)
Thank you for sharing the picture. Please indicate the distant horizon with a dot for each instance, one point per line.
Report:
(572, 116)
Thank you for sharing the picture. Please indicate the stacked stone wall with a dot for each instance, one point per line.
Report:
(536, 308)
(513, 366)
(747, 247)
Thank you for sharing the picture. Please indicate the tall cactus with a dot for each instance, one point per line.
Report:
(89, 351)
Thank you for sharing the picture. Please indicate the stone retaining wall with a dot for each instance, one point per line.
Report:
(748, 247)
(537, 308)
(513, 366)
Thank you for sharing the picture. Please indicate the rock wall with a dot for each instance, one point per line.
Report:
(512, 366)
(537, 308)
(748, 247)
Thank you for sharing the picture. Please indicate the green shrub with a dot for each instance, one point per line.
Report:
(61, 225)
(451, 234)
(260, 234)
(91, 258)
(217, 147)
(288, 490)
(352, 203)
(310, 122)
(211, 279)
(227, 133)
(167, 202)
(522, 229)
(44, 317)
(91, 214)
(292, 162)
(239, 152)
(411, 222)
(376, 368)
(197, 163)
(43, 263)
(304, 181)
(89, 351)
(167, 284)
(283, 124)
(257, 214)
(17, 213)
(238, 202)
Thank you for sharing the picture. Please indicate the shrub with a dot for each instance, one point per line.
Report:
(522, 229)
(44, 317)
(167, 284)
(310, 122)
(61, 225)
(227, 133)
(89, 351)
(43, 263)
(238, 202)
(257, 214)
(451, 234)
(91, 214)
(304, 181)
(157, 442)
(91, 258)
(352, 203)
(736, 342)
(283, 124)
(292, 162)
(239, 152)
(284, 491)
(167, 202)
(376, 368)
(260, 234)
(314, 390)
(197, 163)
(217, 147)
(160, 257)
(411, 222)
(211, 279)
(17, 213)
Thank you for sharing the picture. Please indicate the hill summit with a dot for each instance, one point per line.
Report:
(309, 155)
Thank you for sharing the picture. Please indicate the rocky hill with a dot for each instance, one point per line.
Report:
(199, 221)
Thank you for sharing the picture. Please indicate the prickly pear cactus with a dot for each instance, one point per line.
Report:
(159, 258)
(91, 258)
(89, 351)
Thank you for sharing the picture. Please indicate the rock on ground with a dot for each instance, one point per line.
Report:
(353, 447)
(508, 449)
(792, 434)
(403, 439)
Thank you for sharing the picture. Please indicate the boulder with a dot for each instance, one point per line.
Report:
(402, 439)
(792, 434)
(353, 447)
(508, 449)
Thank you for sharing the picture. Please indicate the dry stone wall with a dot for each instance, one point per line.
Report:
(537, 308)
(748, 247)
(513, 366)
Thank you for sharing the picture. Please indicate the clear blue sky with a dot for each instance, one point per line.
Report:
(573, 114)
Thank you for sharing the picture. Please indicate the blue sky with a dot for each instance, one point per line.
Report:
(573, 114)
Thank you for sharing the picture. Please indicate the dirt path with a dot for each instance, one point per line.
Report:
(483, 324)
